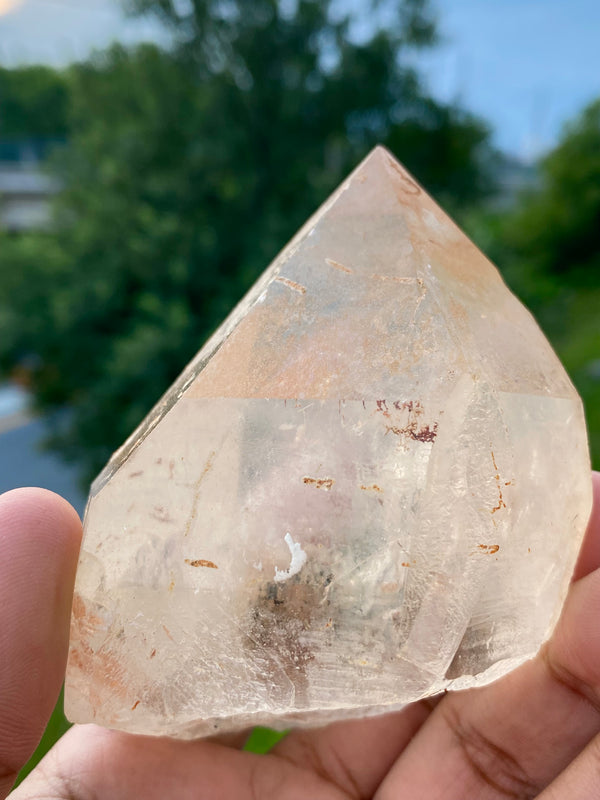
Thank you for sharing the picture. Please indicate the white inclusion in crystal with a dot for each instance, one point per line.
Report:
(297, 562)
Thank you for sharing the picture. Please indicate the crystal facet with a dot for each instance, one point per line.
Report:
(370, 485)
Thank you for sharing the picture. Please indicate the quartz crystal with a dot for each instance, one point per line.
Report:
(370, 485)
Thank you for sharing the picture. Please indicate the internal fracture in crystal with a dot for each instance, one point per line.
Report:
(369, 486)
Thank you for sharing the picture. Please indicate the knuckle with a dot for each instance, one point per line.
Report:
(324, 763)
(491, 764)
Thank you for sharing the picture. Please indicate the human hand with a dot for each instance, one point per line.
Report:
(531, 734)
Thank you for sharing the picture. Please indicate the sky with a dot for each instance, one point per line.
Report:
(526, 66)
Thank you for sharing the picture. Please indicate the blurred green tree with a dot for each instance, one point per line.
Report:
(33, 103)
(549, 246)
(186, 171)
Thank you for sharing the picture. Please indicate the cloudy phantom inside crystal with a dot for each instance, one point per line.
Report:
(370, 485)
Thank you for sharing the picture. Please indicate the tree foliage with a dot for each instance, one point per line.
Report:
(550, 249)
(33, 103)
(186, 172)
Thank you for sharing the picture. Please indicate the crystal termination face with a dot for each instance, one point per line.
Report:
(370, 485)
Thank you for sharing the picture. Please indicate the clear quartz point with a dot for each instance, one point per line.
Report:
(370, 485)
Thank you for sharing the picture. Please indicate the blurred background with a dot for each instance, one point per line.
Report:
(155, 155)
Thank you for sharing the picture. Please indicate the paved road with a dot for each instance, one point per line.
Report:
(23, 462)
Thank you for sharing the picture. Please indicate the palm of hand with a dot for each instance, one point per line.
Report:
(533, 734)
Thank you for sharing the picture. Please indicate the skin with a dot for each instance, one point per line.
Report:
(533, 734)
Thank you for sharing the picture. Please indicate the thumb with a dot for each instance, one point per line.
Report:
(39, 543)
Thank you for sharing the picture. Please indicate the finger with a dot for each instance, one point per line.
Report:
(106, 765)
(514, 737)
(236, 740)
(93, 762)
(39, 543)
(580, 780)
(357, 754)
(589, 556)
(345, 760)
